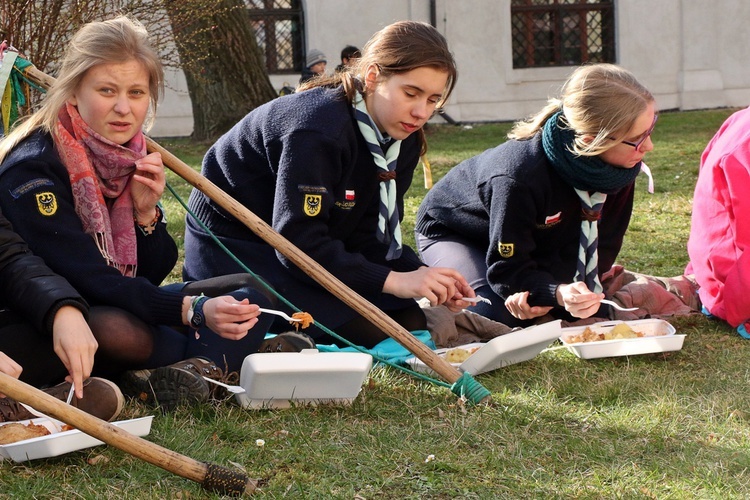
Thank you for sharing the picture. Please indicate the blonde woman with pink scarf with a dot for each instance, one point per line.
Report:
(80, 188)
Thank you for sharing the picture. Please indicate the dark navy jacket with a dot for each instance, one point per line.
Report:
(300, 163)
(510, 201)
(36, 197)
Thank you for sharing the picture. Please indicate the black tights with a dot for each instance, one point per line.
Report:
(127, 342)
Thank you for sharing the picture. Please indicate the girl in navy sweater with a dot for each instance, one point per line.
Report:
(535, 222)
(328, 167)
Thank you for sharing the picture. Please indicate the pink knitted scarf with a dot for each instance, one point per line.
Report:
(100, 173)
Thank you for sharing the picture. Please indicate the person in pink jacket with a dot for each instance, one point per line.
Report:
(720, 231)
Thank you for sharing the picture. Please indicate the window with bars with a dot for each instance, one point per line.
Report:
(279, 30)
(562, 32)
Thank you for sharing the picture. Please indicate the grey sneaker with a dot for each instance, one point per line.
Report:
(287, 342)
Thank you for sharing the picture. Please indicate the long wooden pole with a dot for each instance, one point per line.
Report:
(211, 477)
(294, 254)
(308, 265)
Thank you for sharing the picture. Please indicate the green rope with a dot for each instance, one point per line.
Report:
(465, 386)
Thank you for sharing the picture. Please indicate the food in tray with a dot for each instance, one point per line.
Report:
(15, 431)
(459, 354)
(306, 318)
(620, 331)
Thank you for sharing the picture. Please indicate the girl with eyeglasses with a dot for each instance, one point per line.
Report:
(534, 223)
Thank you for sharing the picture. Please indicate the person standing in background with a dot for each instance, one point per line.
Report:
(348, 55)
(315, 65)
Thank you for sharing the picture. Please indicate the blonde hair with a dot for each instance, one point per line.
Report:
(602, 101)
(114, 41)
(398, 48)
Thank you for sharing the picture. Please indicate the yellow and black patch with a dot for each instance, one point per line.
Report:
(46, 203)
(312, 203)
(505, 249)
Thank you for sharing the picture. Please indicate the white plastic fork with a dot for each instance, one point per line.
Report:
(477, 299)
(234, 389)
(279, 313)
(618, 306)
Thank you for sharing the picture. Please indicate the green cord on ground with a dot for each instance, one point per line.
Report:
(465, 386)
(469, 388)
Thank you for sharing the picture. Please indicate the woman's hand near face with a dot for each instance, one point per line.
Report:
(578, 300)
(147, 187)
(230, 318)
(439, 285)
(75, 345)
(518, 305)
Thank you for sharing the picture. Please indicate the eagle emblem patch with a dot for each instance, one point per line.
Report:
(505, 249)
(312, 204)
(46, 203)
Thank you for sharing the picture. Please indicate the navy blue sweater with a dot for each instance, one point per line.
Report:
(511, 196)
(35, 195)
(300, 163)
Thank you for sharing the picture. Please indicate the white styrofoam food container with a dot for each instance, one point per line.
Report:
(59, 443)
(280, 379)
(511, 348)
(659, 337)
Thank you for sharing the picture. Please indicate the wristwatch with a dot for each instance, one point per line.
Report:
(195, 314)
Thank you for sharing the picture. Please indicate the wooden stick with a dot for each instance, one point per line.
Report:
(211, 477)
(294, 254)
(307, 264)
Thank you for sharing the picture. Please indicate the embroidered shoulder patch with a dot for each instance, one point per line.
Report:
(505, 249)
(311, 204)
(29, 186)
(46, 203)
(306, 188)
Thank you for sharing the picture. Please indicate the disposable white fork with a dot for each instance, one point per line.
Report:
(279, 313)
(618, 306)
(234, 389)
(476, 299)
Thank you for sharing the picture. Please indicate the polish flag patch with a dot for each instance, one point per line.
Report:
(349, 194)
(552, 219)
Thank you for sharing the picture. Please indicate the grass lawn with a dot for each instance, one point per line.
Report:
(652, 426)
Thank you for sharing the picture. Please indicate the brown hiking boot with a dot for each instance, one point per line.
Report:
(287, 342)
(170, 386)
(101, 398)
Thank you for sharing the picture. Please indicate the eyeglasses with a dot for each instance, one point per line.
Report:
(641, 139)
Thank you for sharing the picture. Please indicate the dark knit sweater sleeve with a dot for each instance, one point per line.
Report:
(512, 219)
(54, 233)
(316, 235)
